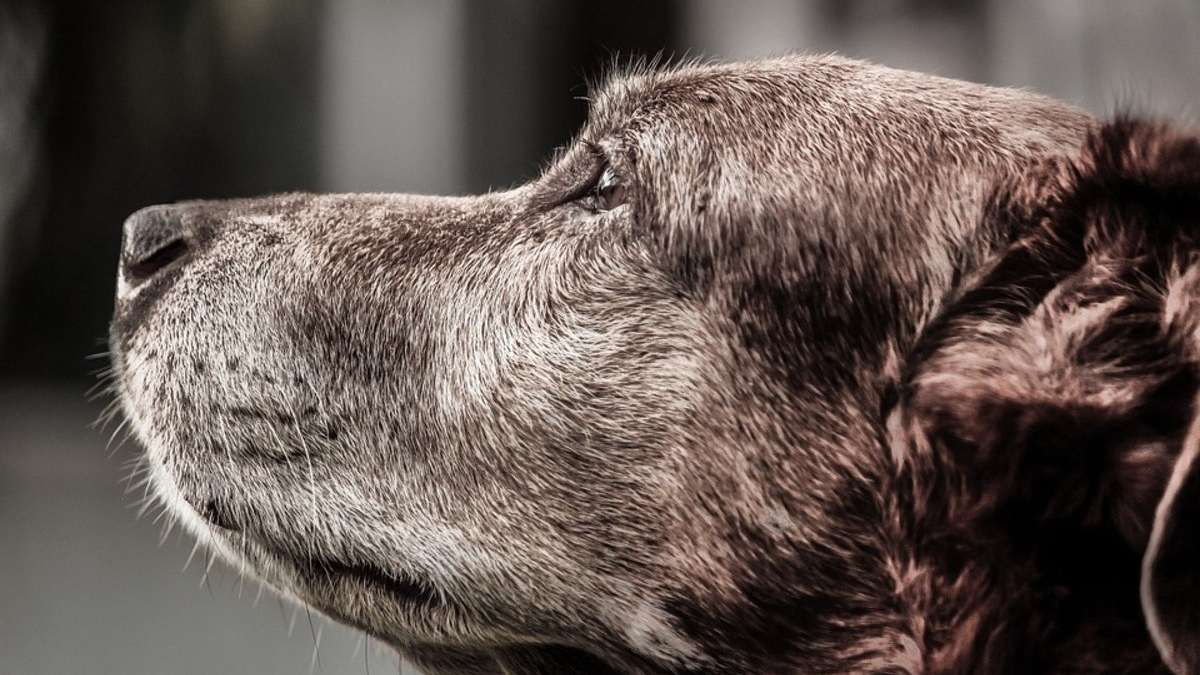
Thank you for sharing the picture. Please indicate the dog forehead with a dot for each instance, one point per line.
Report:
(766, 86)
(768, 99)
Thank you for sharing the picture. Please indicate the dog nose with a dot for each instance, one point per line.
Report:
(154, 238)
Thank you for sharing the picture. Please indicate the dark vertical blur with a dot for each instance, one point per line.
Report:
(145, 101)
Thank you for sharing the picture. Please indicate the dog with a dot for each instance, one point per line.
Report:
(800, 365)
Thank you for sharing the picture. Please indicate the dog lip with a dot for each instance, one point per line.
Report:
(401, 586)
(324, 575)
(218, 516)
(213, 511)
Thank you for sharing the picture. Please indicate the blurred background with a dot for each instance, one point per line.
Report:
(109, 106)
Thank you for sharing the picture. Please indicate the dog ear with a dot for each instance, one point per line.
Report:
(1059, 384)
(1171, 567)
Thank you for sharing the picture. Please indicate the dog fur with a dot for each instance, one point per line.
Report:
(838, 369)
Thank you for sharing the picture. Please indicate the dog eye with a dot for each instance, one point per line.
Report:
(609, 192)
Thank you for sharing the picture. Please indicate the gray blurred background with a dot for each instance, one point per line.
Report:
(109, 106)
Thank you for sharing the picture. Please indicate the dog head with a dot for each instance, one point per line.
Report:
(800, 365)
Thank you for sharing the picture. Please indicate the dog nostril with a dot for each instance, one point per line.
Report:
(140, 270)
(154, 238)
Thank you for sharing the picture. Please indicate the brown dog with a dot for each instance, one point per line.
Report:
(790, 366)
